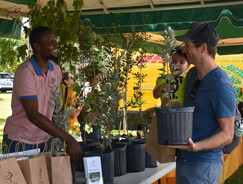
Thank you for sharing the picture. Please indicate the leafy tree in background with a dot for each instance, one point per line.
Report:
(9, 55)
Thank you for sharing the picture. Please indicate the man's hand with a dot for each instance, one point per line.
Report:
(75, 152)
(226, 156)
(191, 146)
(161, 89)
(164, 87)
(175, 104)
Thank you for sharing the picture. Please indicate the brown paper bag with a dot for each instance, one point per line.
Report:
(10, 172)
(61, 170)
(161, 153)
(48, 156)
(35, 169)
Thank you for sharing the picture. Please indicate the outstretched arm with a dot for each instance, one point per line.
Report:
(31, 109)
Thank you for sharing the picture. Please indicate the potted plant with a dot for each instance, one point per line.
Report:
(105, 107)
(132, 45)
(60, 117)
(135, 146)
(144, 118)
(174, 124)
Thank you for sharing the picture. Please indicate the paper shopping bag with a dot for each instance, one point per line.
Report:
(35, 169)
(48, 156)
(10, 172)
(161, 153)
(61, 170)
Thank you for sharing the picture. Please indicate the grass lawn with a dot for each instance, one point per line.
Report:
(5, 111)
(5, 104)
(236, 178)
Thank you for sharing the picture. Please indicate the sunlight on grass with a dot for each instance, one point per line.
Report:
(130, 132)
(5, 104)
(236, 178)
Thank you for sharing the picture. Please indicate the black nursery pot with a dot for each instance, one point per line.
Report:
(150, 161)
(136, 156)
(174, 125)
(120, 156)
(107, 164)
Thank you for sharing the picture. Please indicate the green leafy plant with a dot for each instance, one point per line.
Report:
(137, 99)
(60, 115)
(169, 43)
(132, 44)
(9, 54)
(106, 100)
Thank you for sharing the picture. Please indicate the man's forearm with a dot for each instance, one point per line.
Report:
(49, 127)
(219, 139)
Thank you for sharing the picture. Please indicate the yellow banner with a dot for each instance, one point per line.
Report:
(231, 64)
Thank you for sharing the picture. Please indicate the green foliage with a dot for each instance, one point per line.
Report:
(22, 52)
(60, 115)
(106, 99)
(132, 44)
(64, 24)
(115, 60)
(169, 44)
(9, 55)
(137, 99)
(56, 16)
(97, 64)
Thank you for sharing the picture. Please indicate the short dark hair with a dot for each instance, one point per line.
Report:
(37, 33)
(211, 49)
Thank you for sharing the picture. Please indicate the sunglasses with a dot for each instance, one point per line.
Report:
(194, 89)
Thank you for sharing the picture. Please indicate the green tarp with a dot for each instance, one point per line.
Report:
(228, 20)
(155, 21)
(10, 28)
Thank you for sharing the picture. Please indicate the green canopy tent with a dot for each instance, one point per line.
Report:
(228, 20)
(147, 15)
(10, 13)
